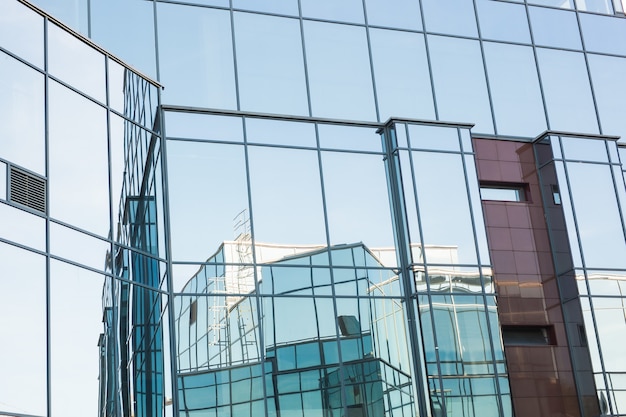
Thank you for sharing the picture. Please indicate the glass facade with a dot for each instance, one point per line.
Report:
(318, 209)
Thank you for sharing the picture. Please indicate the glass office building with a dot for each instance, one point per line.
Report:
(312, 208)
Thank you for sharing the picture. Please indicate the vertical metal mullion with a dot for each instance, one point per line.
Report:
(484, 61)
(48, 259)
(403, 251)
(371, 61)
(429, 62)
(535, 56)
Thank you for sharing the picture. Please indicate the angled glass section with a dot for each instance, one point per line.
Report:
(586, 171)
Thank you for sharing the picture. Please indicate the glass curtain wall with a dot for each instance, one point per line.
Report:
(448, 278)
(74, 139)
(584, 195)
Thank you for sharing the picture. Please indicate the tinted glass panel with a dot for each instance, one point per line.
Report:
(339, 71)
(356, 194)
(270, 64)
(202, 73)
(455, 17)
(601, 240)
(610, 96)
(200, 176)
(133, 37)
(74, 378)
(343, 11)
(79, 186)
(403, 14)
(89, 76)
(21, 32)
(515, 90)
(289, 7)
(286, 196)
(23, 326)
(567, 91)
(401, 74)
(21, 115)
(460, 86)
(543, 22)
(503, 21)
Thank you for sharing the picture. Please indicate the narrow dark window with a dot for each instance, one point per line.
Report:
(503, 191)
(193, 312)
(528, 335)
(556, 194)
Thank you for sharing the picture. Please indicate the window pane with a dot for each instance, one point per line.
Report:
(454, 17)
(280, 132)
(286, 196)
(21, 115)
(503, 21)
(356, 195)
(204, 126)
(343, 11)
(543, 22)
(202, 73)
(601, 241)
(339, 71)
(133, 37)
(402, 78)
(567, 91)
(23, 327)
(21, 32)
(79, 185)
(515, 90)
(72, 12)
(610, 95)
(602, 33)
(460, 86)
(502, 193)
(445, 216)
(288, 7)
(270, 65)
(89, 76)
(200, 176)
(403, 14)
(75, 326)
(22, 227)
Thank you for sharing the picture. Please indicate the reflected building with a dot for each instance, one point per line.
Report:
(312, 208)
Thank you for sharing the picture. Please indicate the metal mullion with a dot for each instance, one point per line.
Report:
(371, 61)
(486, 74)
(401, 234)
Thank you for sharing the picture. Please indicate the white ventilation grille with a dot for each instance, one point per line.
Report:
(27, 190)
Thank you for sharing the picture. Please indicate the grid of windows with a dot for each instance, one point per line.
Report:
(256, 240)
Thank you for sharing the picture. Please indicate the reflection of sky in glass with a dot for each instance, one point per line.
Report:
(23, 324)
(597, 215)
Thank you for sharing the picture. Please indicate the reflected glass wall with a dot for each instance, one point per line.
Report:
(584, 193)
(83, 301)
